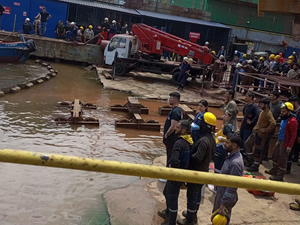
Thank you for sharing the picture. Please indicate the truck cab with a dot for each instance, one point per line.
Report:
(122, 46)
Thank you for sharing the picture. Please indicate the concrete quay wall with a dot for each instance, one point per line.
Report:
(59, 49)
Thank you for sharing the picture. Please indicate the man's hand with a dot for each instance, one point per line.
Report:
(165, 136)
(222, 210)
(288, 149)
(249, 121)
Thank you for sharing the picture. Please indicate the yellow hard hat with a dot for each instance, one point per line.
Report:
(213, 52)
(277, 57)
(272, 56)
(294, 53)
(81, 27)
(290, 61)
(287, 105)
(218, 219)
(245, 55)
(90, 26)
(261, 58)
(210, 119)
(291, 57)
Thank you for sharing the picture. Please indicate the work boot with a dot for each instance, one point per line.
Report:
(270, 171)
(294, 206)
(253, 168)
(163, 214)
(276, 178)
(249, 163)
(184, 222)
(184, 214)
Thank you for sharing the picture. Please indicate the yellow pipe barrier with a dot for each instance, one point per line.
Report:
(98, 165)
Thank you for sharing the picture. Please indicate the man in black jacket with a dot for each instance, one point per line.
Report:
(202, 154)
(179, 159)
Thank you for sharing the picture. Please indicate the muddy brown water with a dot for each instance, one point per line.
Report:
(41, 195)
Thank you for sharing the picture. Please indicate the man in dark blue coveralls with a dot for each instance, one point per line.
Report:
(185, 68)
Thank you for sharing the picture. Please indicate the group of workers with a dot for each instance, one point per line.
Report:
(194, 146)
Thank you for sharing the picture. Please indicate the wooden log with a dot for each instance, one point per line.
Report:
(107, 75)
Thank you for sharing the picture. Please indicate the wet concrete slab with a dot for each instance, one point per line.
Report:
(158, 86)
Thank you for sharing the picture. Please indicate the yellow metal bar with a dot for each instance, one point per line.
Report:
(97, 165)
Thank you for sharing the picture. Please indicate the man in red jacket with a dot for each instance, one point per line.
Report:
(286, 138)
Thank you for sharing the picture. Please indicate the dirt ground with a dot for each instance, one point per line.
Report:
(137, 204)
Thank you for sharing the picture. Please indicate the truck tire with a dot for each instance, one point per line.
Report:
(120, 69)
(175, 77)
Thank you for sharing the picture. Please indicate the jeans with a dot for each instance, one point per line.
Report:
(171, 193)
(193, 200)
(43, 26)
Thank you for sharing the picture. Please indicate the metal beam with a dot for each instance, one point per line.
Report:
(97, 165)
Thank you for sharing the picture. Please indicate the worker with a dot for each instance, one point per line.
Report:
(286, 66)
(195, 127)
(80, 37)
(293, 73)
(105, 28)
(185, 68)
(236, 76)
(281, 57)
(229, 102)
(202, 154)
(276, 69)
(295, 57)
(243, 59)
(251, 113)
(214, 53)
(174, 116)
(255, 144)
(271, 62)
(88, 33)
(227, 197)
(180, 158)
(222, 51)
(296, 148)
(206, 44)
(27, 26)
(286, 137)
(113, 29)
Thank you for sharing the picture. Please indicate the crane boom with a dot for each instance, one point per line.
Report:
(153, 41)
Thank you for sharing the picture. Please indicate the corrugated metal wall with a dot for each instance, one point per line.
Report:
(30, 8)
(239, 14)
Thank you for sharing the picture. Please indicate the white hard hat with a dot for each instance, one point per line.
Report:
(73, 23)
(221, 57)
(113, 21)
(105, 18)
(249, 61)
(207, 43)
(186, 59)
(27, 19)
(238, 65)
(235, 52)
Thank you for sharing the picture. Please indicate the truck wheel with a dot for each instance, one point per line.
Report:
(175, 77)
(120, 69)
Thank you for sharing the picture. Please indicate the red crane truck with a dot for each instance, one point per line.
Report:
(143, 51)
